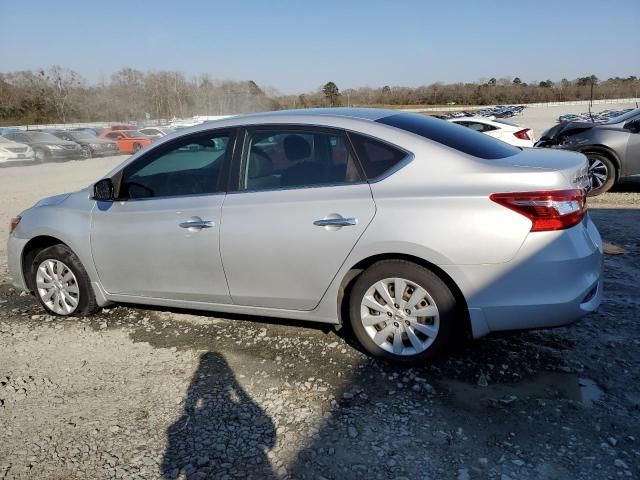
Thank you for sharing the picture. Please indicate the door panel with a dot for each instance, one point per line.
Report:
(140, 248)
(632, 154)
(274, 255)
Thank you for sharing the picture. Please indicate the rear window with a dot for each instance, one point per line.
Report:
(446, 133)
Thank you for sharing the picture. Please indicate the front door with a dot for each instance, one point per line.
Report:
(300, 207)
(161, 237)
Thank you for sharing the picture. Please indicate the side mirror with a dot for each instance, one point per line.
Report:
(103, 190)
(633, 126)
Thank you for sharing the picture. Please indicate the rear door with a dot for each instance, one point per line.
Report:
(297, 206)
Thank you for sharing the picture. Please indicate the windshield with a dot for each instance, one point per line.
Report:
(42, 137)
(133, 134)
(82, 136)
(4, 140)
(624, 117)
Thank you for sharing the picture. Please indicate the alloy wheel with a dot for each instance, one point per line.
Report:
(57, 287)
(400, 316)
(598, 173)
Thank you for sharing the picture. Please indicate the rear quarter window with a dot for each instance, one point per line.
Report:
(453, 136)
(377, 158)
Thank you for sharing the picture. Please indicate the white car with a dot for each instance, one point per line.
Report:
(157, 132)
(11, 151)
(511, 133)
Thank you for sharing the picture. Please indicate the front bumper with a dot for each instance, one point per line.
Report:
(16, 159)
(65, 154)
(554, 280)
(15, 246)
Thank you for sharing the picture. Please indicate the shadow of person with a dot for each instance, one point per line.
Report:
(222, 432)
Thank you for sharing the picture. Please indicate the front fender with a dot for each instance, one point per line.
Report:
(68, 222)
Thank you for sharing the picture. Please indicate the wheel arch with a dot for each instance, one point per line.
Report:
(29, 252)
(354, 272)
(607, 152)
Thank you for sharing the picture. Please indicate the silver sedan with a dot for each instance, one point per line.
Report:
(408, 228)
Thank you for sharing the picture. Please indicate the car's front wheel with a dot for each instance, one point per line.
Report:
(602, 173)
(86, 152)
(61, 283)
(41, 155)
(401, 312)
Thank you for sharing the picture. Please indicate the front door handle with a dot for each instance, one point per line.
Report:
(196, 224)
(336, 222)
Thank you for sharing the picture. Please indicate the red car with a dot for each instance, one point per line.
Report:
(129, 141)
(113, 128)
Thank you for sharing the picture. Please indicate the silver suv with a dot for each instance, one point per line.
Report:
(409, 229)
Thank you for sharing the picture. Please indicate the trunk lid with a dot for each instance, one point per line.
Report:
(572, 165)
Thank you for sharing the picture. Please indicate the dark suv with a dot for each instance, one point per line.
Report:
(613, 147)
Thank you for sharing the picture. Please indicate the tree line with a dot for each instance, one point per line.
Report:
(61, 95)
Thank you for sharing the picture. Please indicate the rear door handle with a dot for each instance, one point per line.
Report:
(197, 224)
(336, 222)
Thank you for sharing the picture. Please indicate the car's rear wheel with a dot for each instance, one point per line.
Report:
(401, 312)
(61, 283)
(136, 147)
(602, 173)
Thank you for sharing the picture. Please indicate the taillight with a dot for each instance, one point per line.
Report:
(523, 134)
(553, 210)
(14, 223)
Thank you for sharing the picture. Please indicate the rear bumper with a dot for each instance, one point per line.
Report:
(554, 280)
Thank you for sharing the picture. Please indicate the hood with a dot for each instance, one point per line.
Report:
(50, 201)
(89, 141)
(564, 129)
(53, 142)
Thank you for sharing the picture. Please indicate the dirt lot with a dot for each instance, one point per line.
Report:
(146, 393)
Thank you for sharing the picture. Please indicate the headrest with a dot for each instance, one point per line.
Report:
(260, 165)
(296, 148)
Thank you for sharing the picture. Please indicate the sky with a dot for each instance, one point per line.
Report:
(297, 46)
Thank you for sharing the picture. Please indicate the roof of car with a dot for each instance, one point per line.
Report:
(356, 113)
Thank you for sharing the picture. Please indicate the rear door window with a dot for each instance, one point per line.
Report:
(279, 158)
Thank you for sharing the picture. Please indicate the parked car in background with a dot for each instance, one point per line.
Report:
(11, 151)
(46, 146)
(407, 227)
(95, 131)
(114, 128)
(128, 141)
(612, 147)
(157, 132)
(6, 131)
(507, 132)
(91, 145)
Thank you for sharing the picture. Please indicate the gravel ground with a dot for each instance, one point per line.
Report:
(136, 392)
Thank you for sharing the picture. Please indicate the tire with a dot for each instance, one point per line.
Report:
(602, 173)
(47, 270)
(136, 147)
(86, 152)
(40, 155)
(437, 325)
